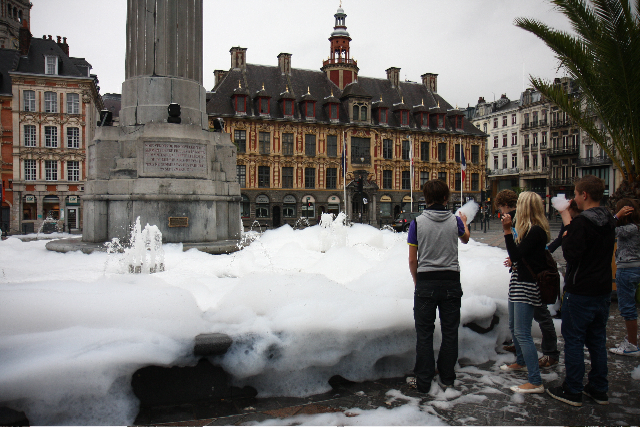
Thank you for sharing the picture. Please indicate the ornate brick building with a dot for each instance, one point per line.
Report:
(292, 126)
(54, 106)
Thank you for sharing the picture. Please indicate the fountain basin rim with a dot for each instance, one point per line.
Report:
(71, 245)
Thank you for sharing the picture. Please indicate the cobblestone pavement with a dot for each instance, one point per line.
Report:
(484, 396)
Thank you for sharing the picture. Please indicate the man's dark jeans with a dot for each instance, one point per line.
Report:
(445, 296)
(549, 345)
(584, 322)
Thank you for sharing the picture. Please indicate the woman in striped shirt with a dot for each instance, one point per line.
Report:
(532, 230)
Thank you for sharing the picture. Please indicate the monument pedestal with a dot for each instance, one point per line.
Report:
(178, 177)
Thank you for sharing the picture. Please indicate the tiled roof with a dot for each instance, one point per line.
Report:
(320, 87)
(8, 61)
(34, 62)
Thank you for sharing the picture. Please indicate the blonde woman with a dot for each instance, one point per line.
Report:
(532, 230)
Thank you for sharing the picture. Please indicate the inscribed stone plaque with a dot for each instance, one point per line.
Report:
(178, 221)
(175, 158)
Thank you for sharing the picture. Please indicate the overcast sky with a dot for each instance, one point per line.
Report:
(471, 44)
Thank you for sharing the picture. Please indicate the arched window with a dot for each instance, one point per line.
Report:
(356, 112)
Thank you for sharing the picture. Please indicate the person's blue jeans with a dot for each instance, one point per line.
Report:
(520, 321)
(627, 280)
(584, 322)
(445, 296)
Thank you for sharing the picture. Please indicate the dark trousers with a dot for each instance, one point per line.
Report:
(584, 322)
(549, 345)
(443, 295)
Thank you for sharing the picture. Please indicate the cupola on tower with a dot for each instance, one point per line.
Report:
(340, 68)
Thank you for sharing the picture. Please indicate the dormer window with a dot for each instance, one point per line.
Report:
(241, 104)
(424, 120)
(310, 109)
(264, 106)
(262, 100)
(440, 121)
(404, 118)
(383, 116)
(334, 113)
(332, 105)
(287, 107)
(51, 65)
(459, 122)
(360, 112)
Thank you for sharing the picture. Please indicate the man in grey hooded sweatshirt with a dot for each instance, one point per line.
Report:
(433, 263)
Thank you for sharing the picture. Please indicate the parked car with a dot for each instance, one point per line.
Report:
(403, 221)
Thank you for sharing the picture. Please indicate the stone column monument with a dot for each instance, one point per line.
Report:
(170, 171)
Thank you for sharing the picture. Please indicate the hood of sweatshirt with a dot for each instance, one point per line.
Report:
(599, 216)
(437, 215)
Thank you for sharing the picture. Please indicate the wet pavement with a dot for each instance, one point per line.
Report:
(481, 395)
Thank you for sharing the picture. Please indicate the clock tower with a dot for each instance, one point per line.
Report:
(339, 67)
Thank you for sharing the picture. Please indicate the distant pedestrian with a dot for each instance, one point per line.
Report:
(588, 248)
(433, 262)
(532, 229)
(628, 273)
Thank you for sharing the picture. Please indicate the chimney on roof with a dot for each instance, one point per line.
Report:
(393, 74)
(24, 38)
(430, 80)
(481, 100)
(219, 75)
(50, 38)
(63, 45)
(239, 57)
(284, 62)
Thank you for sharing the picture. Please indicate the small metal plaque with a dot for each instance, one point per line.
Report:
(178, 221)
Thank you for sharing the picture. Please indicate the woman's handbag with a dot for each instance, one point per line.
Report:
(548, 280)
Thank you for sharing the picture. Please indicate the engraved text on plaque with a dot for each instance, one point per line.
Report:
(175, 157)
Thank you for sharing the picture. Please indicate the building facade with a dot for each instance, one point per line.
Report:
(293, 127)
(55, 105)
(13, 14)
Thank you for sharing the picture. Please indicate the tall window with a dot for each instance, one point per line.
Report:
(424, 177)
(245, 205)
(504, 161)
(495, 141)
(363, 113)
(442, 152)
(50, 170)
(475, 182)
(51, 65)
(475, 154)
(240, 138)
(514, 160)
(264, 142)
(241, 104)
(514, 138)
(241, 172)
(504, 121)
(404, 118)
(29, 135)
(332, 145)
(309, 177)
(535, 139)
(310, 110)
(50, 102)
(73, 170)
(513, 119)
(332, 178)
(287, 144)
(424, 151)
(504, 140)
(495, 162)
(457, 153)
(406, 180)
(287, 177)
(310, 145)
(457, 184)
(387, 179)
(50, 136)
(383, 116)
(360, 150)
(73, 103)
(73, 137)
(535, 161)
(495, 122)
(356, 112)
(406, 148)
(288, 107)
(442, 176)
(30, 170)
(387, 149)
(525, 161)
(263, 176)
(29, 100)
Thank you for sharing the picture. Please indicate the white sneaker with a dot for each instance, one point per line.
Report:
(625, 348)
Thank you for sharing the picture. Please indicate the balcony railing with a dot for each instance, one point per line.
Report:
(561, 123)
(504, 171)
(559, 151)
(563, 181)
(535, 170)
(592, 161)
(534, 124)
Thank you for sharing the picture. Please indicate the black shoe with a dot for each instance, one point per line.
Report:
(599, 396)
(559, 393)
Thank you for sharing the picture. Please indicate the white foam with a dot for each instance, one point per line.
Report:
(560, 202)
(300, 305)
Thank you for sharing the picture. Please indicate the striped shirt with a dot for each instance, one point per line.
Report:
(520, 291)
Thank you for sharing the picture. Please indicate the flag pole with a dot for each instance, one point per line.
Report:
(344, 169)
(461, 172)
(411, 168)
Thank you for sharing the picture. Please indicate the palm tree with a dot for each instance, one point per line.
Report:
(603, 57)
